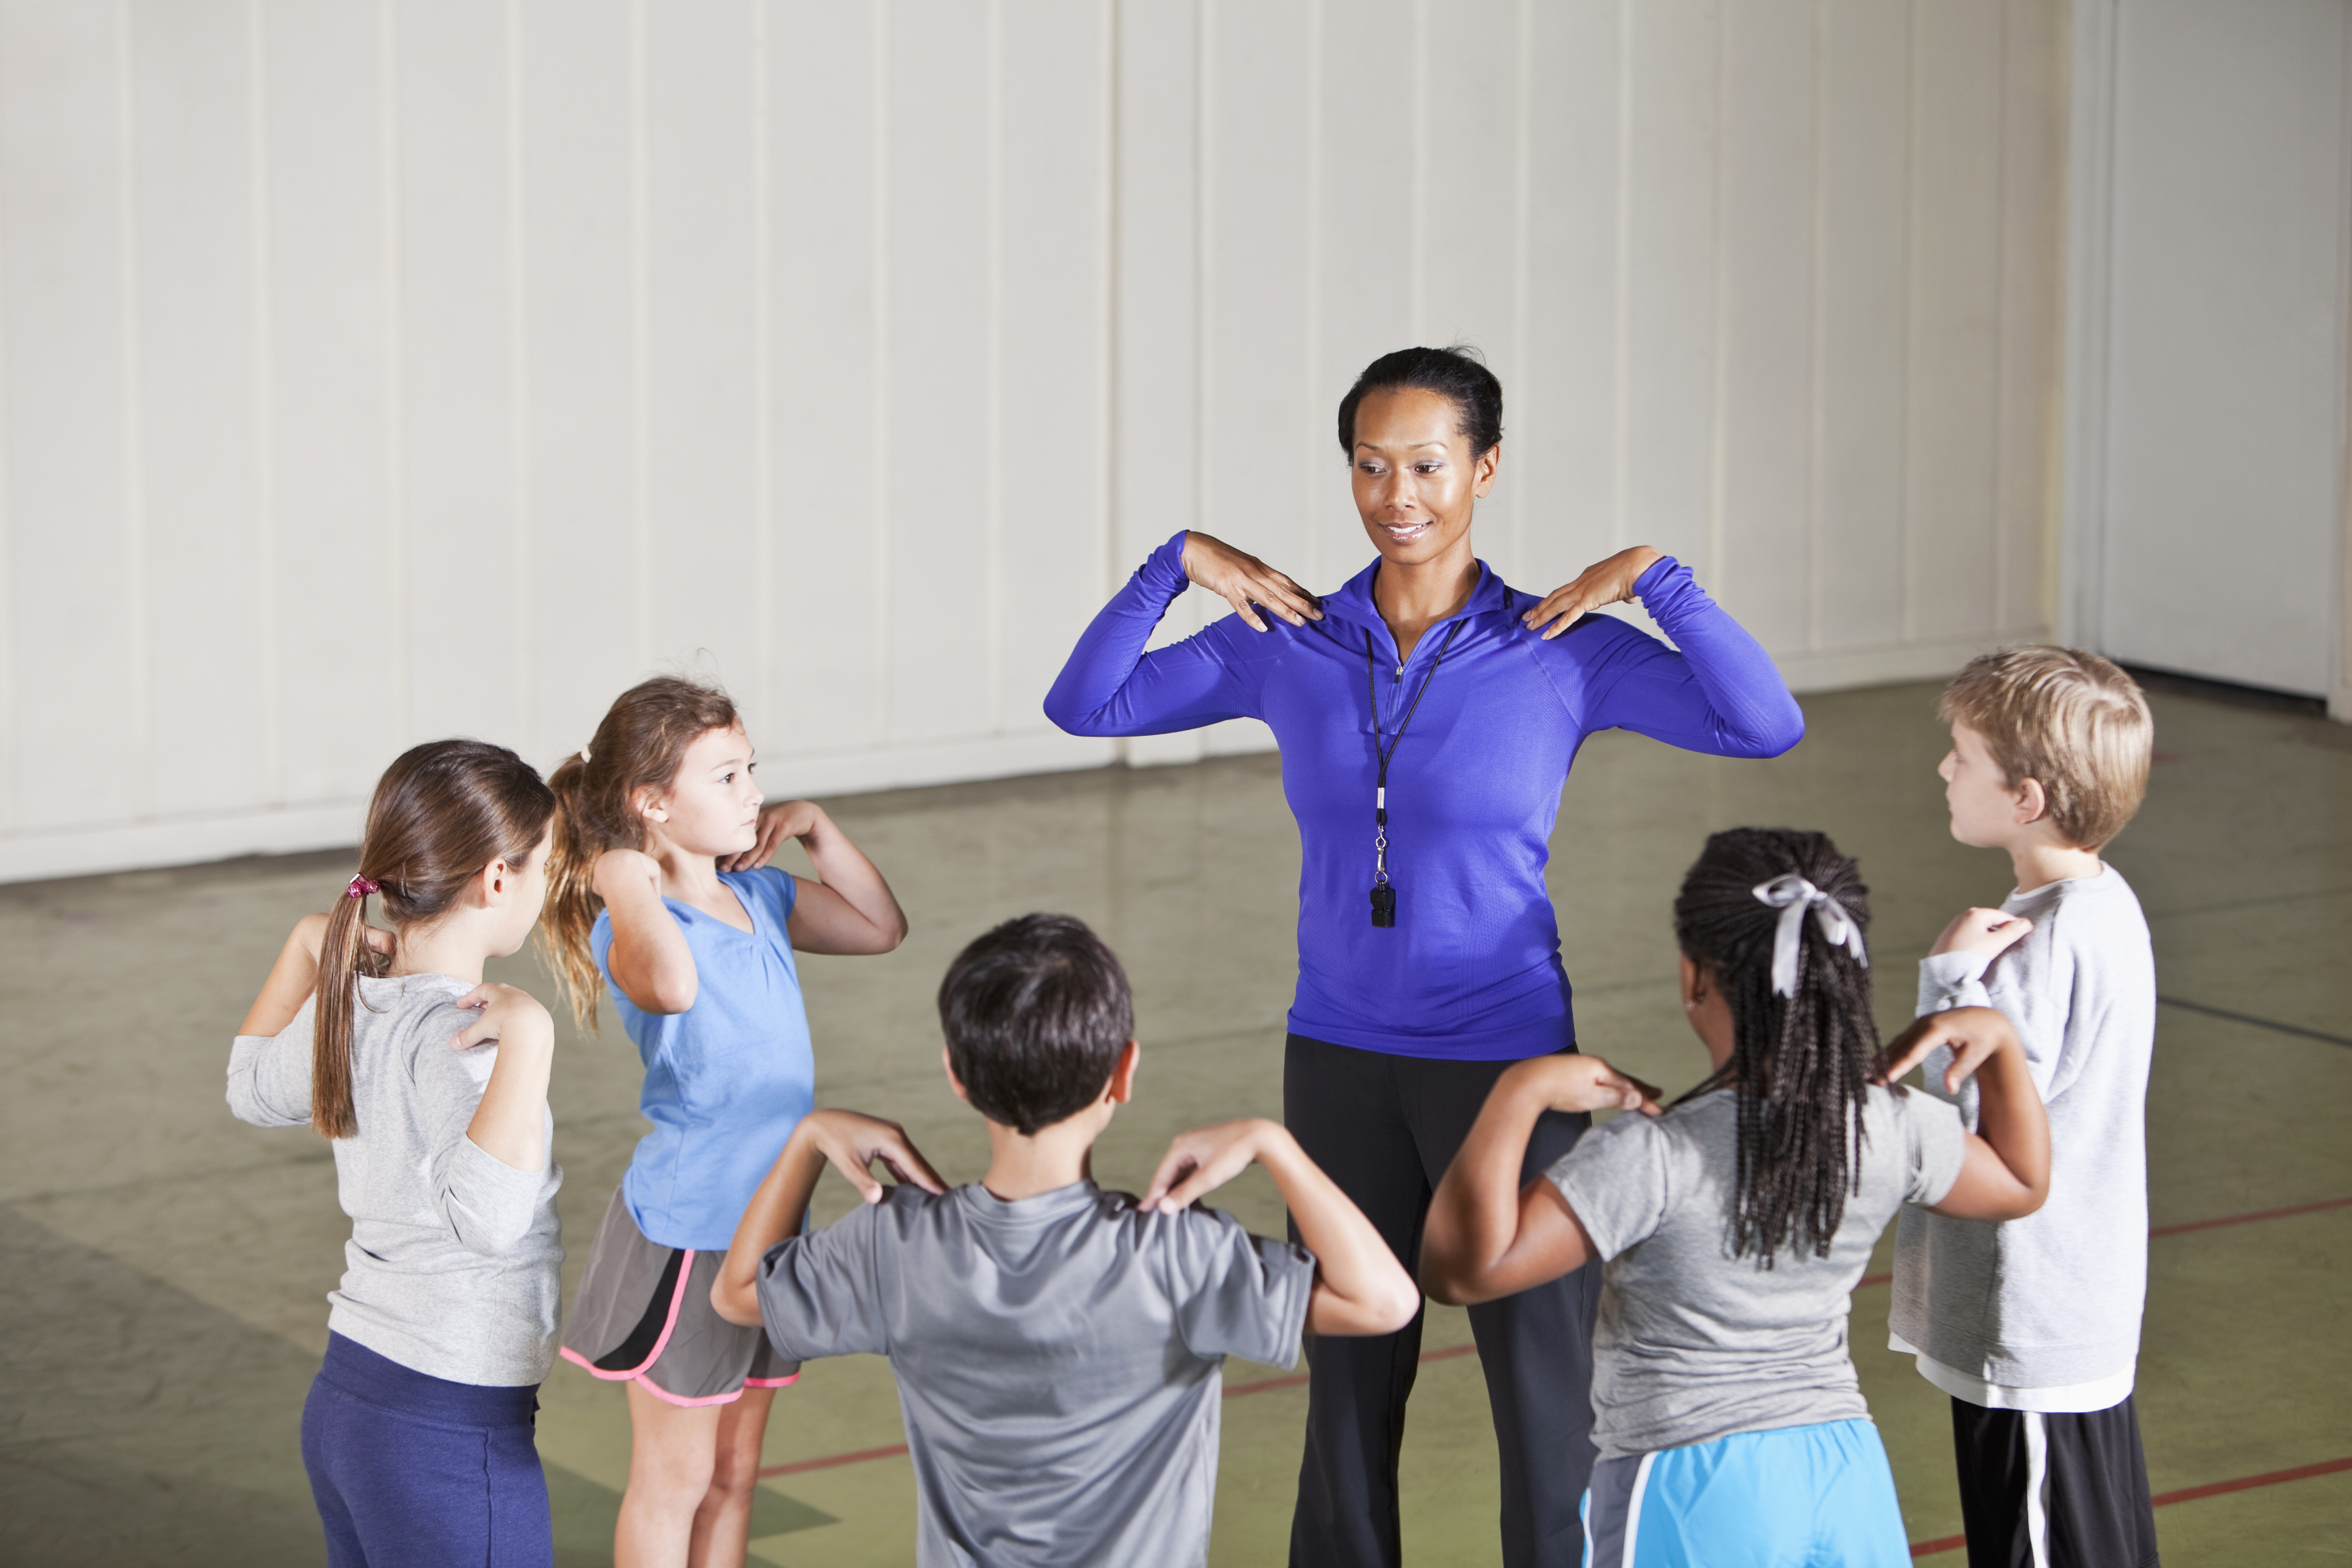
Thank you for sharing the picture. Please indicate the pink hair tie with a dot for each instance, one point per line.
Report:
(361, 887)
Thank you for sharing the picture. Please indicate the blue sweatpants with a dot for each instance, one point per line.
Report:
(412, 1471)
(1795, 1497)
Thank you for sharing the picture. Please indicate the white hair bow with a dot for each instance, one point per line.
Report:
(1792, 896)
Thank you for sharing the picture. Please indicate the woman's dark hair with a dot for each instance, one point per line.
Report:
(1456, 373)
(1035, 1013)
(639, 745)
(1800, 1064)
(442, 812)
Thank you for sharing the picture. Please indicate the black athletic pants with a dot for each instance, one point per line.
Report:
(2077, 1483)
(1385, 1128)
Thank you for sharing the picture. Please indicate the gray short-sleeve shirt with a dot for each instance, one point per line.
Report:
(1694, 1345)
(1059, 1359)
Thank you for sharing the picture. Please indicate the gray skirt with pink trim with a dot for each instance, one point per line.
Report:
(642, 1315)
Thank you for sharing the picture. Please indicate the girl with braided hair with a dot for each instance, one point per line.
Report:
(1732, 1227)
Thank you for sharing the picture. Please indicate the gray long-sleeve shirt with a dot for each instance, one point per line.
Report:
(451, 1270)
(2049, 1303)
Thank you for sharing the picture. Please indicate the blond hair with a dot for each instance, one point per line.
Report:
(2071, 721)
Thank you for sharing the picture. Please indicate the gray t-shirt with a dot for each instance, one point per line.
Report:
(2050, 1301)
(1694, 1345)
(451, 1270)
(1059, 1359)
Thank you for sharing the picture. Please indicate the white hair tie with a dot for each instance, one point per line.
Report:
(1792, 896)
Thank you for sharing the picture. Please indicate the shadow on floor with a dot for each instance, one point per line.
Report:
(140, 1425)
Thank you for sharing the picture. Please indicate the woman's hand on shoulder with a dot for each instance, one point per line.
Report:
(507, 1015)
(1243, 580)
(1608, 582)
(1569, 1081)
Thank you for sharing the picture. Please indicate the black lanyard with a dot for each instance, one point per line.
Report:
(1384, 895)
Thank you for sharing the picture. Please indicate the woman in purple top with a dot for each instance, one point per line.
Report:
(1428, 714)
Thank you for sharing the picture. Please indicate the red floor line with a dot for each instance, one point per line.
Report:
(2185, 1494)
(2183, 1229)
(1296, 1380)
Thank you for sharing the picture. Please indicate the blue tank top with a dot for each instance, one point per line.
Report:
(727, 1079)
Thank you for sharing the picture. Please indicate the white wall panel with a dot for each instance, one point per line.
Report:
(326, 319)
(209, 576)
(576, 455)
(374, 371)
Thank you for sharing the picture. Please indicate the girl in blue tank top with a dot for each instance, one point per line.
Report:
(660, 891)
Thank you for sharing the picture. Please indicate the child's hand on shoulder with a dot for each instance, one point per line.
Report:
(850, 1143)
(784, 819)
(623, 870)
(509, 1017)
(1205, 1159)
(1975, 1035)
(1569, 1081)
(1990, 933)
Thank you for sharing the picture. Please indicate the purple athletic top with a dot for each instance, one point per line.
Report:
(1471, 970)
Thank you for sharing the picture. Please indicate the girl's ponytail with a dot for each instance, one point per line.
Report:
(442, 812)
(1803, 1044)
(571, 901)
(638, 746)
(343, 955)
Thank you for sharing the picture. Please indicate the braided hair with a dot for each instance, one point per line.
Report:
(1800, 1064)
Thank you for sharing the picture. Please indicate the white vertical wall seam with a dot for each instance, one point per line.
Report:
(138, 715)
(10, 750)
(1913, 96)
(1817, 442)
(881, 306)
(1107, 359)
(2339, 695)
(1522, 243)
(768, 711)
(2089, 283)
(1999, 522)
(396, 434)
(1417, 246)
(1204, 152)
(1622, 455)
(1719, 413)
(994, 595)
(261, 299)
(641, 378)
(1314, 454)
(519, 469)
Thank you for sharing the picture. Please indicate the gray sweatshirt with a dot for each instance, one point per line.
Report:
(2050, 1301)
(451, 1267)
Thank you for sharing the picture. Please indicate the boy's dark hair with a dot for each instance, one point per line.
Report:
(1035, 1013)
(1800, 1064)
(1454, 373)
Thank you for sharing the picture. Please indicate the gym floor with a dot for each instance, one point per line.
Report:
(161, 1266)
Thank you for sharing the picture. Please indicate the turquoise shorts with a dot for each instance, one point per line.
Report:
(1797, 1496)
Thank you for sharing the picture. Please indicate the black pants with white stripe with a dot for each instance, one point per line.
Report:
(1384, 1127)
(2054, 1491)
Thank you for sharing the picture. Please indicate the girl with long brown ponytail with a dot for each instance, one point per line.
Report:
(662, 892)
(433, 1087)
(1731, 1228)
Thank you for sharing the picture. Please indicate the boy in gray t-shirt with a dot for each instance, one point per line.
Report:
(1058, 1348)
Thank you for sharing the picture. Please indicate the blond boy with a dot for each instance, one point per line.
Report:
(2032, 1325)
